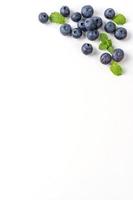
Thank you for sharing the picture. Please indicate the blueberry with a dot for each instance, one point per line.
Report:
(120, 33)
(76, 33)
(66, 29)
(87, 11)
(90, 24)
(43, 17)
(65, 11)
(81, 25)
(76, 17)
(98, 21)
(105, 58)
(118, 55)
(109, 13)
(92, 35)
(87, 49)
(110, 27)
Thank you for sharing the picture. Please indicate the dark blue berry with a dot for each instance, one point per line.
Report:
(110, 27)
(76, 33)
(105, 58)
(118, 55)
(109, 13)
(98, 21)
(92, 35)
(65, 11)
(87, 11)
(120, 33)
(43, 17)
(87, 49)
(90, 24)
(81, 25)
(66, 29)
(76, 17)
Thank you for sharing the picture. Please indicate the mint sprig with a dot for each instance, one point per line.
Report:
(111, 49)
(103, 37)
(116, 69)
(120, 19)
(57, 18)
(105, 43)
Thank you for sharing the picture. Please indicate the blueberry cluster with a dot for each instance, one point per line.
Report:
(117, 56)
(87, 24)
(110, 27)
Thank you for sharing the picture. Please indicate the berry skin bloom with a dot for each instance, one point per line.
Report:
(65, 11)
(76, 33)
(118, 55)
(92, 35)
(66, 29)
(110, 27)
(120, 33)
(81, 25)
(98, 21)
(43, 17)
(76, 17)
(90, 24)
(109, 13)
(87, 49)
(105, 58)
(87, 11)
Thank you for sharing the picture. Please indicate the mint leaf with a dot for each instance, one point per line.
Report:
(102, 46)
(110, 49)
(106, 43)
(103, 37)
(119, 19)
(116, 69)
(56, 17)
(109, 43)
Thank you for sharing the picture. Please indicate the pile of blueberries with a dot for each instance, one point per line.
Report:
(89, 25)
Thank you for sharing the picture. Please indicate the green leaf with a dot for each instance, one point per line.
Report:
(56, 17)
(103, 37)
(102, 46)
(111, 49)
(106, 43)
(119, 19)
(116, 69)
(109, 43)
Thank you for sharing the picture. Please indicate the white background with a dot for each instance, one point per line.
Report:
(66, 123)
